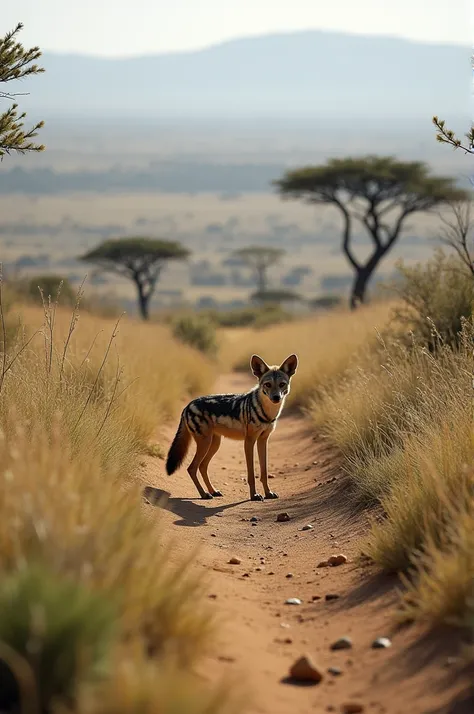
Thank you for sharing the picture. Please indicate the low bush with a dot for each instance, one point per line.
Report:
(197, 331)
(435, 298)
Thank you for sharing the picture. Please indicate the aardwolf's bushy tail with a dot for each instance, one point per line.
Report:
(179, 448)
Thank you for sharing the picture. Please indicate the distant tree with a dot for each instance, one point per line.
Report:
(260, 259)
(276, 296)
(379, 192)
(138, 259)
(15, 64)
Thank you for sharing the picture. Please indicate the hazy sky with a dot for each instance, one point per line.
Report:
(130, 27)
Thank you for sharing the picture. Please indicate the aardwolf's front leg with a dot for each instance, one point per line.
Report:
(248, 447)
(262, 445)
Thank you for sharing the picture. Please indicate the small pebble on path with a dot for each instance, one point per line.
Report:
(381, 643)
(304, 670)
(343, 643)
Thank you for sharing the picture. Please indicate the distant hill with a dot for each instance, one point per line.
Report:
(299, 74)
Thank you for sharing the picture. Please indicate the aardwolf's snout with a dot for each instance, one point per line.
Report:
(275, 398)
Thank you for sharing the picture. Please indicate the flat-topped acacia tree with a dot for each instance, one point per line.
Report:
(138, 259)
(260, 258)
(378, 192)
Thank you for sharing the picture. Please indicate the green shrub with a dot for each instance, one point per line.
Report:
(250, 316)
(270, 315)
(49, 285)
(197, 331)
(60, 630)
(436, 297)
(275, 297)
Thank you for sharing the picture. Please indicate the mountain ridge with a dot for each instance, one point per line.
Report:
(295, 74)
(257, 38)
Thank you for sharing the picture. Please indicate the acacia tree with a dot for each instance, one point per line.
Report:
(138, 259)
(16, 63)
(260, 259)
(379, 193)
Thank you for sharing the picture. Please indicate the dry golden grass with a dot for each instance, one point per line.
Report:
(424, 478)
(393, 391)
(155, 372)
(401, 418)
(326, 346)
(443, 589)
(72, 425)
(428, 490)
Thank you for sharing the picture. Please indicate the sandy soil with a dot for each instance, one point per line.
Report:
(259, 635)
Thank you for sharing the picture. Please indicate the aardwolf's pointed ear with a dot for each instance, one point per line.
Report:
(290, 365)
(258, 366)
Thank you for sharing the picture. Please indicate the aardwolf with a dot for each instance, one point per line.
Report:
(250, 417)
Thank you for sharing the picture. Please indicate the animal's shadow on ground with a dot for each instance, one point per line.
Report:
(190, 513)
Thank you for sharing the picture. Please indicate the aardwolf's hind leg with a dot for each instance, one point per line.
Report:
(213, 449)
(203, 444)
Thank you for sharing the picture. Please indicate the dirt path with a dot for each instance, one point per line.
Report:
(260, 636)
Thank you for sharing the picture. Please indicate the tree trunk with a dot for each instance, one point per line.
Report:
(143, 302)
(262, 279)
(359, 288)
(362, 278)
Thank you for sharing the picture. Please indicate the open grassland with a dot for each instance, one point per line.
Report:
(93, 618)
(81, 397)
(52, 231)
(146, 372)
(326, 346)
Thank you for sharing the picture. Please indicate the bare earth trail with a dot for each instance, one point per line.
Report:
(260, 636)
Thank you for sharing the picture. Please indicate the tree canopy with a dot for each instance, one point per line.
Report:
(377, 192)
(16, 63)
(260, 258)
(276, 296)
(139, 259)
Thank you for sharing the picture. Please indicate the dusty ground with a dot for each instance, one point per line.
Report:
(260, 636)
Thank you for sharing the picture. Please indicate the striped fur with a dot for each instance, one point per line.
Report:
(250, 417)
